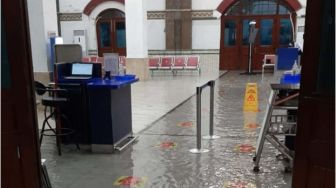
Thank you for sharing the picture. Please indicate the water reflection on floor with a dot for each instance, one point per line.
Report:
(161, 157)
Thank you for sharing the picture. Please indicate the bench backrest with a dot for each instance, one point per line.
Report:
(193, 61)
(166, 61)
(179, 61)
(153, 61)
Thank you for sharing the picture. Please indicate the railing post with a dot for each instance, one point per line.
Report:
(199, 116)
(212, 91)
(211, 127)
(199, 122)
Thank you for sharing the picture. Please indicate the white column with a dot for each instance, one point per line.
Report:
(136, 29)
(38, 43)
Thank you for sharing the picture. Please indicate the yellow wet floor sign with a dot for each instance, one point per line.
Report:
(251, 97)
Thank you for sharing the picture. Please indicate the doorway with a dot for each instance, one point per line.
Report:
(274, 21)
(111, 32)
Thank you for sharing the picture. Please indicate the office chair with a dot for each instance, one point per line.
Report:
(54, 100)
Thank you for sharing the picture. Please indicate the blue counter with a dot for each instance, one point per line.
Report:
(77, 110)
(290, 79)
(110, 112)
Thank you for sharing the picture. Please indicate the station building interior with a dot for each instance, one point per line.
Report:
(168, 93)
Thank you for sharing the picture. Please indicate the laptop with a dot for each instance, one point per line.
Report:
(80, 71)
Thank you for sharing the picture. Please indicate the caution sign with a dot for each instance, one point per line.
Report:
(251, 98)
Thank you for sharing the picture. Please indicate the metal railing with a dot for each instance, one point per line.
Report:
(199, 114)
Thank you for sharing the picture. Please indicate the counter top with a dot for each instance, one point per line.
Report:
(112, 84)
(285, 86)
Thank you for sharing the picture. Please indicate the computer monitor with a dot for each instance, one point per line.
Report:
(81, 69)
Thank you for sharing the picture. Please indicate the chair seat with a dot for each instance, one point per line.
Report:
(53, 101)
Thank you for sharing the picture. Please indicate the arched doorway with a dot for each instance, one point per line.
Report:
(111, 32)
(275, 21)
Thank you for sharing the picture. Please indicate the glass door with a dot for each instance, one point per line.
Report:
(104, 37)
(120, 37)
(265, 41)
(111, 36)
(229, 45)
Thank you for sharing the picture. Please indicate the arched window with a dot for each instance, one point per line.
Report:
(257, 7)
(111, 32)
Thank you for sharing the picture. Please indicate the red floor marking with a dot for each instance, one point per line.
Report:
(238, 184)
(185, 124)
(245, 148)
(130, 181)
(251, 126)
(166, 145)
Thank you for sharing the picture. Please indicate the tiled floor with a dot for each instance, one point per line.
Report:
(161, 157)
(154, 98)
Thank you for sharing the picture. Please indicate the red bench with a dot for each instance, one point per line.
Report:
(174, 63)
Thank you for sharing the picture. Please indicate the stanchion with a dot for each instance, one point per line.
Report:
(198, 119)
(211, 135)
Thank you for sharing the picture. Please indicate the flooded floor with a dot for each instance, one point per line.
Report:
(161, 158)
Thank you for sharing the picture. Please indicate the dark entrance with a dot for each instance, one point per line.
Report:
(274, 21)
(111, 32)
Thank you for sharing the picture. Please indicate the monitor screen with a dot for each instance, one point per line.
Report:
(81, 69)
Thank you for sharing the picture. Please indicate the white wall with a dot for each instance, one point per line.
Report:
(157, 34)
(205, 4)
(136, 29)
(67, 30)
(75, 6)
(205, 34)
(37, 35)
(50, 25)
(50, 17)
(155, 4)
